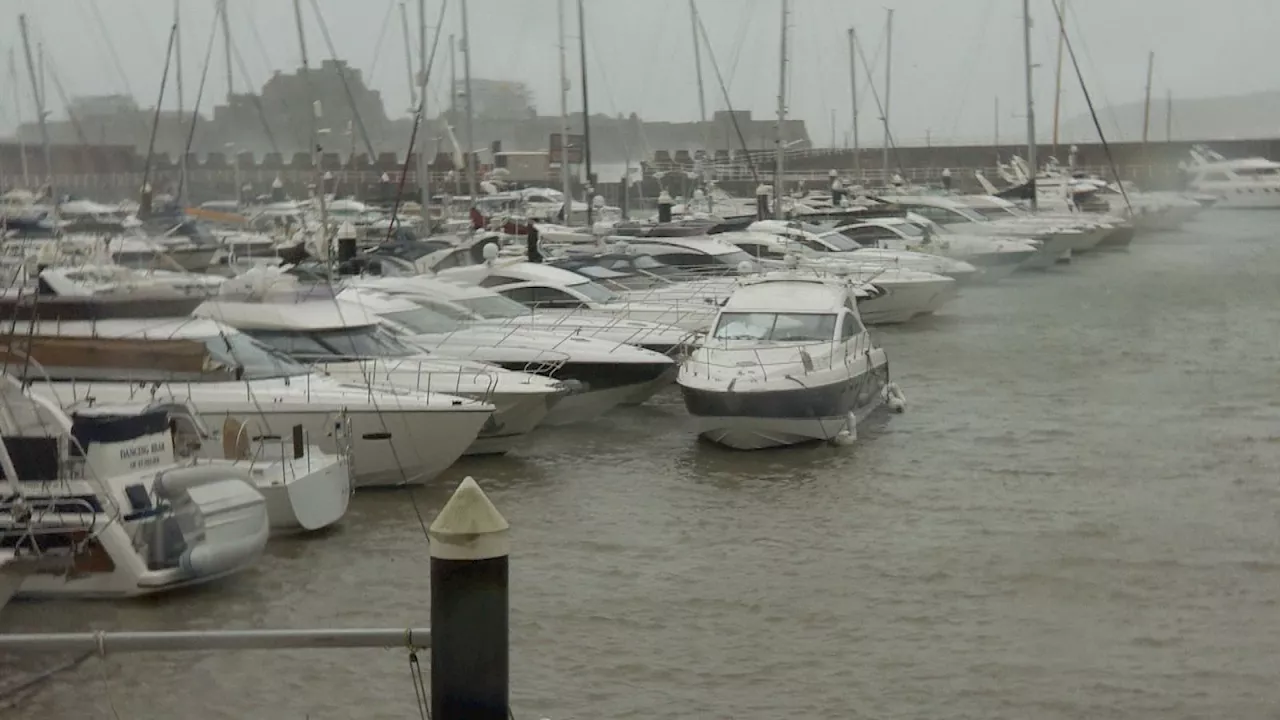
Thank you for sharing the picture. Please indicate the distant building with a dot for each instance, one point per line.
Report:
(495, 100)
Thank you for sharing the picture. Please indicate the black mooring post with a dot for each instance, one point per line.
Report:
(470, 641)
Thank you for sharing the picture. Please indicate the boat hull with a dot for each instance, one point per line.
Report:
(778, 418)
(517, 414)
(903, 301)
(304, 496)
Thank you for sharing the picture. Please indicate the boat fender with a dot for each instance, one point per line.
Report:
(171, 483)
(208, 559)
(894, 399)
(849, 435)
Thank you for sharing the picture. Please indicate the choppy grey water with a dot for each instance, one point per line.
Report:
(1076, 517)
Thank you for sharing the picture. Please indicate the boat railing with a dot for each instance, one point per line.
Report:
(428, 379)
(770, 363)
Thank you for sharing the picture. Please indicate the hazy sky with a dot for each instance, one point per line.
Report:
(952, 58)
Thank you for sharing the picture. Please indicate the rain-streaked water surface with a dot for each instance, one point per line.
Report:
(1076, 517)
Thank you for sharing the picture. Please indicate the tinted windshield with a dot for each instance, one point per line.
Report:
(358, 342)
(596, 292)
(494, 306)
(234, 349)
(733, 259)
(778, 327)
(838, 241)
(423, 320)
(994, 213)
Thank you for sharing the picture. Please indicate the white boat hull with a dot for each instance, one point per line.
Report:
(582, 407)
(517, 414)
(903, 301)
(304, 496)
(389, 447)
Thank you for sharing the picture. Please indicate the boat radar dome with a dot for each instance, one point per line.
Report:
(490, 252)
(792, 260)
(745, 267)
(277, 183)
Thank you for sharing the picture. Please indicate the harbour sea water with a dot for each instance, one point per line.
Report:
(1076, 517)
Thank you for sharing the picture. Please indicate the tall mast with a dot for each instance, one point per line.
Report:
(853, 96)
(408, 57)
(177, 57)
(566, 187)
(586, 113)
(424, 152)
(697, 60)
(314, 150)
(453, 106)
(1168, 118)
(888, 84)
(466, 79)
(779, 160)
(17, 114)
(997, 138)
(1057, 78)
(1031, 108)
(1146, 104)
(44, 128)
(226, 47)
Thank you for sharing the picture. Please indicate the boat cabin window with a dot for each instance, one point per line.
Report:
(869, 235)
(995, 213)
(1258, 172)
(423, 319)
(729, 260)
(498, 281)
(945, 216)
(543, 297)
(776, 327)
(1215, 177)
(829, 242)
(493, 306)
(758, 250)
(851, 326)
(334, 344)
(259, 362)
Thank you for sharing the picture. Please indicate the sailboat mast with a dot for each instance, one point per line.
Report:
(226, 48)
(44, 128)
(17, 115)
(1031, 109)
(888, 85)
(177, 59)
(779, 160)
(424, 153)
(1168, 118)
(697, 59)
(1146, 103)
(408, 57)
(314, 150)
(565, 185)
(586, 113)
(466, 79)
(853, 96)
(1057, 80)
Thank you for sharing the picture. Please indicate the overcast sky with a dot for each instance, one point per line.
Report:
(951, 58)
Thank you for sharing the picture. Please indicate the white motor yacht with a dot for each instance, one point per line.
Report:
(346, 342)
(599, 375)
(475, 305)
(833, 245)
(995, 258)
(103, 491)
(1054, 244)
(540, 286)
(902, 293)
(788, 361)
(1238, 183)
(397, 436)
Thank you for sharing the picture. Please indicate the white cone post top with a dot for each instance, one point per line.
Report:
(469, 527)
